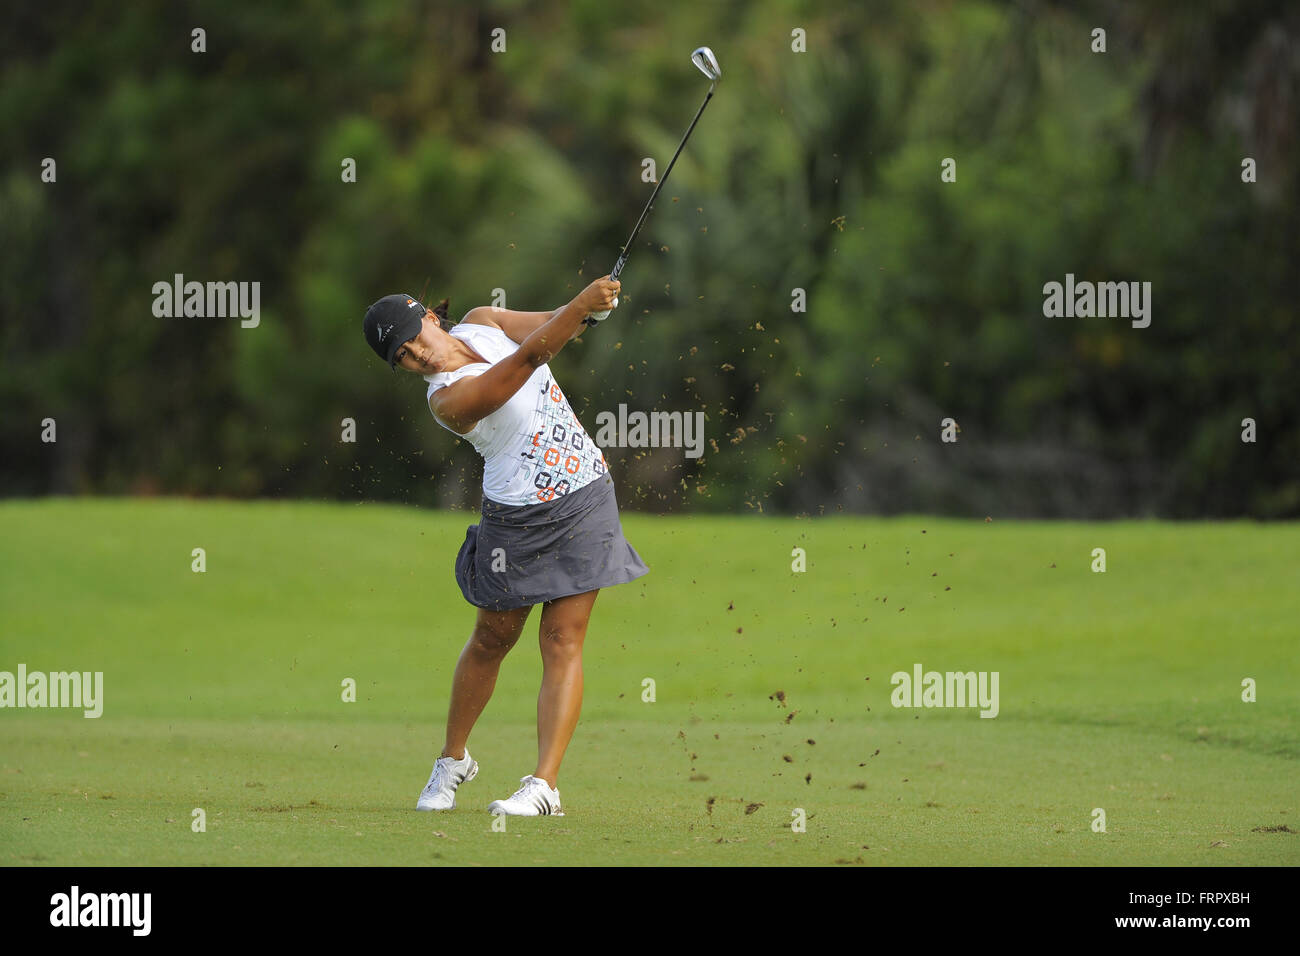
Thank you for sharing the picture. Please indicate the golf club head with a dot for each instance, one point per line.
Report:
(708, 63)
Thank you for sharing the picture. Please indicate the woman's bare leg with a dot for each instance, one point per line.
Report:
(495, 632)
(562, 631)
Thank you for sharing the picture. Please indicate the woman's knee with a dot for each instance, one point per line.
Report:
(494, 637)
(563, 641)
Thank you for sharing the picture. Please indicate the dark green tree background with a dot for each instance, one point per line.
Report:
(520, 170)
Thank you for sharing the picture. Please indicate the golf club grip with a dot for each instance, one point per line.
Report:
(613, 274)
(599, 316)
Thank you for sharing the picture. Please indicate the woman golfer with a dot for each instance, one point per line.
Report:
(549, 533)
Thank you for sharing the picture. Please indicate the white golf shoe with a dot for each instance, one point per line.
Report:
(448, 774)
(536, 798)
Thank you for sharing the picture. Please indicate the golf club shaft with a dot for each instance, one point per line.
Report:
(627, 249)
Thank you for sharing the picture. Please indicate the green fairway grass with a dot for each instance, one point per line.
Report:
(1119, 690)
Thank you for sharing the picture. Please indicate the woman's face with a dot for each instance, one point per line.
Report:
(429, 351)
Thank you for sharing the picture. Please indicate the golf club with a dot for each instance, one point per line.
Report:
(708, 64)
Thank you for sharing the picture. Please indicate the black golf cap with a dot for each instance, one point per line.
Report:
(392, 322)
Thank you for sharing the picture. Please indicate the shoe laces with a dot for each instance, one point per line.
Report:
(436, 778)
(529, 783)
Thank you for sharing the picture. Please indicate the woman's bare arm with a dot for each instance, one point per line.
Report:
(516, 325)
(462, 404)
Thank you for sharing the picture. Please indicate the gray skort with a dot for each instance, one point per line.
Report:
(568, 545)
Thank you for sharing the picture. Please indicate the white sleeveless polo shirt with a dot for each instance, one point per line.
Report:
(533, 447)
